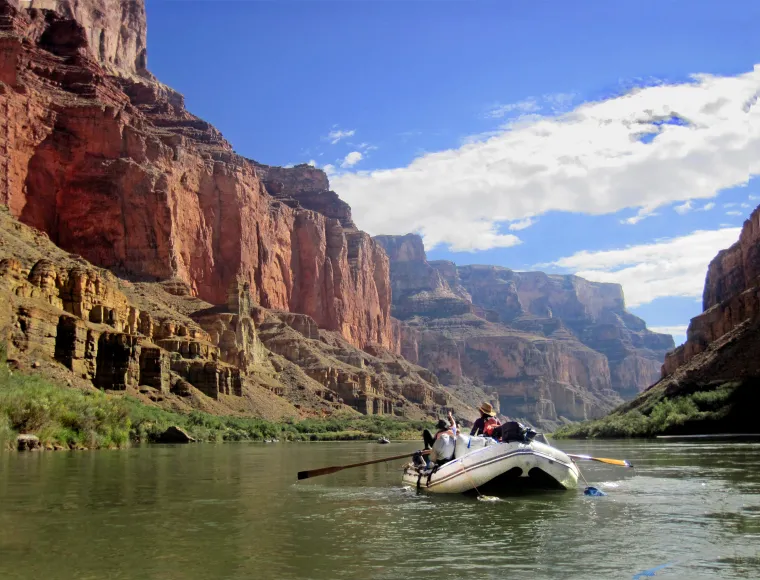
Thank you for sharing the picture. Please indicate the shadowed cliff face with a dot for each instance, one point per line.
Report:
(550, 347)
(109, 163)
(731, 297)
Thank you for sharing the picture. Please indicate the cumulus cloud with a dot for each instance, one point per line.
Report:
(734, 212)
(671, 267)
(678, 332)
(337, 135)
(351, 159)
(704, 137)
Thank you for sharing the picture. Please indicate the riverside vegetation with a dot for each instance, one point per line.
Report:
(709, 408)
(69, 418)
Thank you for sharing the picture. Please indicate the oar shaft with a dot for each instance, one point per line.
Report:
(336, 468)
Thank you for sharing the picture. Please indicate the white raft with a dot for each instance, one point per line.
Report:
(496, 468)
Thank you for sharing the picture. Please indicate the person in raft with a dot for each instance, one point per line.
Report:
(487, 422)
(442, 427)
(445, 446)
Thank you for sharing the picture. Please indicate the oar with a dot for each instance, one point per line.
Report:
(336, 468)
(620, 462)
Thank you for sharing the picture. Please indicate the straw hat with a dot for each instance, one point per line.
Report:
(487, 409)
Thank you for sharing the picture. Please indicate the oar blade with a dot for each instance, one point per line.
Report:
(316, 472)
(618, 462)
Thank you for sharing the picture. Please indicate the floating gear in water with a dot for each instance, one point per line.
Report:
(593, 491)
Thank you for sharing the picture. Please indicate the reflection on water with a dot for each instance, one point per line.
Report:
(235, 511)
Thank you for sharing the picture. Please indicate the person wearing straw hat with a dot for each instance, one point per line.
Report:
(487, 422)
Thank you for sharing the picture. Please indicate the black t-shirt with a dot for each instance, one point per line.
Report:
(478, 427)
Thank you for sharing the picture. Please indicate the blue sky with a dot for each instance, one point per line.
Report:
(504, 132)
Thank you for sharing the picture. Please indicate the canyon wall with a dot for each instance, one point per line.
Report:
(109, 163)
(711, 383)
(548, 348)
(731, 296)
(229, 285)
(83, 325)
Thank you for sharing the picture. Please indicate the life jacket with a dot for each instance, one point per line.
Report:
(489, 425)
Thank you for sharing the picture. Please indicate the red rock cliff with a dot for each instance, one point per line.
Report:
(109, 163)
(731, 295)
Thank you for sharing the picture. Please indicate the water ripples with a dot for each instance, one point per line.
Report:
(234, 512)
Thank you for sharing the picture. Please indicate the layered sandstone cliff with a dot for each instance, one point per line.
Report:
(230, 285)
(548, 348)
(154, 340)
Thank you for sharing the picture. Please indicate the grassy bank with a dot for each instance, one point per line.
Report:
(70, 418)
(715, 408)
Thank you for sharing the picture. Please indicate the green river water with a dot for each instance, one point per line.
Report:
(235, 511)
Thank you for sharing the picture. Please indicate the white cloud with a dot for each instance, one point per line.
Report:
(672, 267)
(683, 208)
(734, 212)
(336, 135)
(522, 224)
(589, 160)
(351, 159)
(554, 103)
(687, 207)
(311, 162)
(745, 205)
(754, 197)
(330, 170)
(527, 106)
(678, 332)
(732, 204)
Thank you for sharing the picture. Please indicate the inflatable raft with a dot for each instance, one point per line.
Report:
(495, 468)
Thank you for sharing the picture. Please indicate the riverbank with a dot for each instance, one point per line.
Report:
(68, 418)
(720, 407)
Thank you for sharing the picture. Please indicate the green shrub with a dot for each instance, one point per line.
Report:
(73, 418)
(659, 415)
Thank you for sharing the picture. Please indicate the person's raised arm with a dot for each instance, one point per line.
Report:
(452, 422)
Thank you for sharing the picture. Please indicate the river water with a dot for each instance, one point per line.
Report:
(235, 511)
